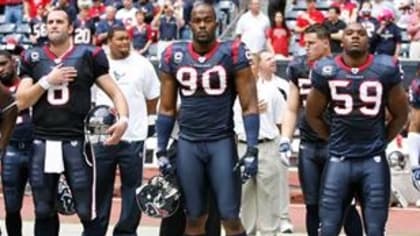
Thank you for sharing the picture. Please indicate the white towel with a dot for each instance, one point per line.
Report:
(53, 157)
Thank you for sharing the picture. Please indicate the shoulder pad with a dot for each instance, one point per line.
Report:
(325, 67)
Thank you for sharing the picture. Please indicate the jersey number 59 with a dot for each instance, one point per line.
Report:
(370, 94)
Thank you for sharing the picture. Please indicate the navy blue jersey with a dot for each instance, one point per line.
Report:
(23, 131)
(357, 103)
(59, 113)
(414, 93)
(84, 30)
(298, 72)
(39, 30)
(206, 86)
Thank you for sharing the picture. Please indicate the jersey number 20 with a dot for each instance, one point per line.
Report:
(370, 93)
(188, 78)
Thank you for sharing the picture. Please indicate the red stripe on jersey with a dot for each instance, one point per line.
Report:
(235, 50)
(168, 54)
(53, 57)
(96, 51)
(340, 62)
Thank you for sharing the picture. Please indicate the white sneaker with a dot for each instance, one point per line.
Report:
(286, 227)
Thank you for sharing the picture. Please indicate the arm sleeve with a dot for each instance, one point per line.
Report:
(241, 55)
(318, 81)
(165, 60)
(100, 62)
(395, 76)
(152, 88)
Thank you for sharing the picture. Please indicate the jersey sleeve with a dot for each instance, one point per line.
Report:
(25, 67)
(395, 74)
(318, 80)
(165, 60)
(100, 62)
(241, 55)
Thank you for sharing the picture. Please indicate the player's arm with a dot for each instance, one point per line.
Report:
(292, 111)
(398, 108)
(8, 117)
(106, 84)
(247, 92)
(316, 104)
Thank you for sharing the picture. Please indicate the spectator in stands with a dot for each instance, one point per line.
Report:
(97, 9)
(168, 25)
(252, 27)
(304, 20)
(348, 10)
(141, 34)
(370, 23)
(413, 29)
(388, 36)
(378, 6)
(31, 7)
(103, 26)
(118, 4)
(83, 26)
(336, 26)
(69, 8)
(38, 27)
(13, 11)
(406, 10)
(147, 7)
(127, 14)
(278, 36)
(185, 31)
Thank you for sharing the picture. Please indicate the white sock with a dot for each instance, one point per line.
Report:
(413, 148)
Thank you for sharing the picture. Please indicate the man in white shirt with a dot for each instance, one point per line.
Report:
(265, 198)
(127, 14)
(252, 27)
(138, 81)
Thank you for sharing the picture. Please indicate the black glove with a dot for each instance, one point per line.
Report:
(248, 164)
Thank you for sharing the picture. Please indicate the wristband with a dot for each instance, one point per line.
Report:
(252, 128)
(43, 82)
(123, 119)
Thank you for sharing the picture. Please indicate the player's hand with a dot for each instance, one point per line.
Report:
(165, 166)
(116, 131)
(248, 164)
(415, 177)
(285, 151)
(61, 74)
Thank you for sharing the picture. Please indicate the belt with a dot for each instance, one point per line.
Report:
(263, 140)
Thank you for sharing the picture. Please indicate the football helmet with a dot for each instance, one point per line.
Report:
(158, 198)
(65, 202)
(98, 120)
(396, 159)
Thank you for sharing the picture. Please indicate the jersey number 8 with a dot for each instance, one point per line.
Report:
(370, 93)
(188, 77)
(58, 95)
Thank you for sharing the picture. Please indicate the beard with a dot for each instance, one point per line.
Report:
(7, 79)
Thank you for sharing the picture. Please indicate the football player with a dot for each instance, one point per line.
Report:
(208, 75)
(84, 27)
(56, 82)
(413, 137)
(312, 149)
(15, 166)
(356, 87)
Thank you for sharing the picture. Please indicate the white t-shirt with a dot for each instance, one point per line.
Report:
(137, 79)
(268, 91)
(128, 17)
(253, 30)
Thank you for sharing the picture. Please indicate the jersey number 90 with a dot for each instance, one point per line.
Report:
(370, 94)
(188, 77)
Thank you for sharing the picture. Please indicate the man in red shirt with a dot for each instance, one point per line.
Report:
(304, 20)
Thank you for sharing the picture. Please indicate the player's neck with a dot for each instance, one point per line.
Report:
(353, 61)
(203, 48)
(60, 49)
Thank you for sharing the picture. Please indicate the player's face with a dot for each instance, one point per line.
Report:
(120, 44)
(58, 27)
(355, 40)
(7, 71)
(316, 48)
(203, 24)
